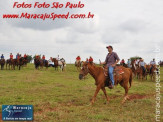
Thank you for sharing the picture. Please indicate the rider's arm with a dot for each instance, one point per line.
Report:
(105, 60)
(117, 59)
(102, 62)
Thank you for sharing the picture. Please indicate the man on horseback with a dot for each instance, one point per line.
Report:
(122, 62)
(111, 60)
(11, 56)
(129, 63)
(25, 56)
(152, 64)
(2, 56)
(43, 58)
(17, 56)
(142, 65)
(90, 59)
(87, 60)
(58, 58)
(78, 59)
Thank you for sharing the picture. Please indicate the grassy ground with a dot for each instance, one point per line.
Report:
(61, 96)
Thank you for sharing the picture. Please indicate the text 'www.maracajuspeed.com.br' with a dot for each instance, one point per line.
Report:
(52, 16)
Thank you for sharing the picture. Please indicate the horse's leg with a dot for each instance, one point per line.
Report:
(104, 90)
(96, 92)
(126, 93)
(6, 66)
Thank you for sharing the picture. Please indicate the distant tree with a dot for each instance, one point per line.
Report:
(135, 57)
(29, 58)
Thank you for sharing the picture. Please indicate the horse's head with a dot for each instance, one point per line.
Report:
(84, 70)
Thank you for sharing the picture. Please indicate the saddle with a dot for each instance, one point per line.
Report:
(117, 71)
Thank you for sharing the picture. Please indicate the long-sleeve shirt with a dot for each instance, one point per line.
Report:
(111, 58)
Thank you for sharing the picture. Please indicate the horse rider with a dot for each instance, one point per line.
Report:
(129, 63)
(142, 65)
(122, 62)
(87, 60)
(152, 64)
(37, 57)
(90, 59)
(78, 59)
(111, 60)
(43, 58)
(2, 56)
(17, 56)
(58, 58)
(137, 62)
(11, 56)
(25, 56)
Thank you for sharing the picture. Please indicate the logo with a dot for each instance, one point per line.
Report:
(17, 112)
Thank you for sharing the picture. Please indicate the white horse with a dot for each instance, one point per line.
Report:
(62, 64)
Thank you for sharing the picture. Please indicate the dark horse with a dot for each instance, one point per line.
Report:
(2, 63)
(11, 63)
(55, 63)
(40, 63)
(98, 74)
(20, 62)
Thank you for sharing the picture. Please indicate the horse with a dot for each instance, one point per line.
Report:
(40, 63)
(11, 63)
(134, 68)
(25, 61)
(61, 63)
(37, 63)
(78, 65)
(152, 72)
(21, 62)
(2, 63)
(123, 64)
(98, 74)
(141, 74)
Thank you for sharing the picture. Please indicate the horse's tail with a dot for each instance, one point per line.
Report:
(130, 79)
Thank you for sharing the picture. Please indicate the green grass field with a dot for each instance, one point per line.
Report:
(61, 96)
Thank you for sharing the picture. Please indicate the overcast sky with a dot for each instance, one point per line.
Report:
(132, 27)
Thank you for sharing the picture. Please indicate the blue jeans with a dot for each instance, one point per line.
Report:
(110, 71)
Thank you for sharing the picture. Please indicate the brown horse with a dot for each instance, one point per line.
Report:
(141, 74)
(78, 65)
(55, 63)
(40, 63)
(2, 63)
(98, 74)
(43, 64)
(10, 63)
(153, 72)
(134, 68)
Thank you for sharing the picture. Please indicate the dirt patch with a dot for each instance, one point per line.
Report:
(139, 96)
(131, 97)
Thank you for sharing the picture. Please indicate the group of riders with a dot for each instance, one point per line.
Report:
(78, 61)
(12, 62)
(39, 61)
(55, 62)
(138, 66)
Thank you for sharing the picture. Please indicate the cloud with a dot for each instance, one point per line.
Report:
(131, 27)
